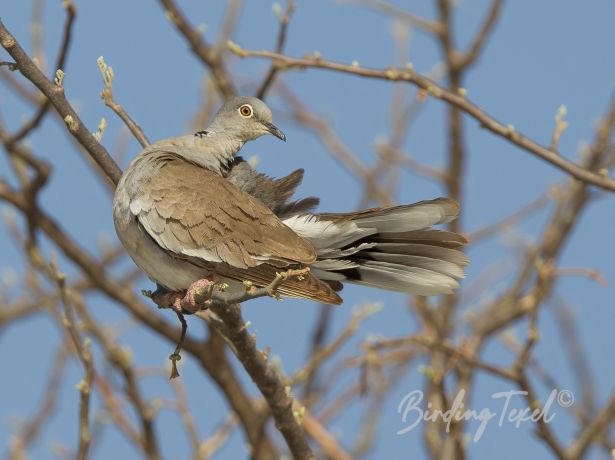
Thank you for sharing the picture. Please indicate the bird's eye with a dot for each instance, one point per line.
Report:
(246, 111)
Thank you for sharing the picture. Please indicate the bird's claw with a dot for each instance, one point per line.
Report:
(197, 297)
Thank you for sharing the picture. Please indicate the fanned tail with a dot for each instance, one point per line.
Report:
(391, 248)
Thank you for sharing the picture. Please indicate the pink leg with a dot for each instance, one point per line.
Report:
(189, 303)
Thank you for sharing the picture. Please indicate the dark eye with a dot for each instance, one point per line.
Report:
(246, 111)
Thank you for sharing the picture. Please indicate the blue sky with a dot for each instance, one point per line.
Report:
(541, 55)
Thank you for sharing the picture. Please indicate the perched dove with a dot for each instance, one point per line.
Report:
(187, 210)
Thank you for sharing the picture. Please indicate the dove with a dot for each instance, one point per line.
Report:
(188, 212)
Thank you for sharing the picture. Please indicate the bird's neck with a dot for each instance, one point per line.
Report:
(221, 147)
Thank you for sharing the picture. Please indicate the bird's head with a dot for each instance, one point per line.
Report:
(246, 118)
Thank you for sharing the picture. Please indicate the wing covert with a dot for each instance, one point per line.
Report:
(191, 211)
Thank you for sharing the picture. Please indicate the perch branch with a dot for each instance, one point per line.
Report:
(266, 378)
(277, 394)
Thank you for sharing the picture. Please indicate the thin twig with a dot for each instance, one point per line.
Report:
(35, 121)
(481, 234)
(118, 358)
(560, 127)
(12, 66)
(107, 96)
(470, 57)
(413, 20)
(281, 41)
(84, 353)
(599, 424)
(203, 50)
(330, 446)
(325, 352)
(186, 416)
(30, 431)
(335, 146)
(211, 445)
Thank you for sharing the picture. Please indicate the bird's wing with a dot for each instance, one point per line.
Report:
(196, 214)
(308, 287)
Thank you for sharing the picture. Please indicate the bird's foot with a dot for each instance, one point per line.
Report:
(163, 297)
(197, 297)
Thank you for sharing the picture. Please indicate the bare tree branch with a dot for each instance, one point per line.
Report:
(599, 179)
(205, 52)
(266, 378)
(55, 94)
(59, 65)
(107, 96)
(281, 41)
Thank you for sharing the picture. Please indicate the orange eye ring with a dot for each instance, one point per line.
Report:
(246, 111)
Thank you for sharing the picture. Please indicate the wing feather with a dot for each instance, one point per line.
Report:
(194, 212)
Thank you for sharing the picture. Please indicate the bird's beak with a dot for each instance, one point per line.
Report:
(274, 130)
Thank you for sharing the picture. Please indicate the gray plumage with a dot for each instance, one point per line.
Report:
(273, 193)
(186, 209)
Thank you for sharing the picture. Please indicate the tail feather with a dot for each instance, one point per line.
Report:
(444, 267)
(430, 237)
(426, 250)
(402, 278)
(391, 248)
(404, 218)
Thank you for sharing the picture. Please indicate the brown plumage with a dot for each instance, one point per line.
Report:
(196, 215)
